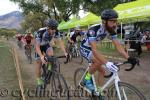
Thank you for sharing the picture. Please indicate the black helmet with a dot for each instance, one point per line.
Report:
(109, 14)
(52, 23)
(147, 30)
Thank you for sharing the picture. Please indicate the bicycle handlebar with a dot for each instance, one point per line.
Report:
(119, 64)
(126, 62)
(53, 58)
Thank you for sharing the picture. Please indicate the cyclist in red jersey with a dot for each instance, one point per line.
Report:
(19, 37)
(28, 40)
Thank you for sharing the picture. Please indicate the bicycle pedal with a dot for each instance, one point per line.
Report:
(82, 84)
(86, 89)
(95, 93)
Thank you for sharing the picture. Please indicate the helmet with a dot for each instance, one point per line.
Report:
(109, 14)
(52, 23)
(147, 30)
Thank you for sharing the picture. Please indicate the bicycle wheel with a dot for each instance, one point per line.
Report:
(78, 75)
(56, 66)
(127, 92)
(58, 86)
(29, 56)
(19, 44)
(80, 92)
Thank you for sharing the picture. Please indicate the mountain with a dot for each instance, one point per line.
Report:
(11, 20)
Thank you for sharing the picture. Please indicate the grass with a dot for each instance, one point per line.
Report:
(8, 76)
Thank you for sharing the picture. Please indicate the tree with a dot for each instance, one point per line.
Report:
(57, 9)
(33, 21)
(97, 6)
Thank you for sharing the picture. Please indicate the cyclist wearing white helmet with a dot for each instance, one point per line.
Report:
(42, 45)
(89, 50)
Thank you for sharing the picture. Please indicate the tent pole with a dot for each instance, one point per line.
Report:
(121, 30)
(88, 26)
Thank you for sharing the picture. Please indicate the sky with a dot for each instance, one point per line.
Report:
(7, 6)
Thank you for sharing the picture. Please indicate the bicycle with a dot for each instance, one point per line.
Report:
(74, 53)
(116, 90)
(52, 76)
(28, 53)
(19, 44)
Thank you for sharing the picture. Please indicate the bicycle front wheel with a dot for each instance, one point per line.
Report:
(59, 87)
(127, 92)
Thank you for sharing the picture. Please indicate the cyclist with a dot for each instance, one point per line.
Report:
(19, 38)
(146, 39)
(28, 40)
(42, 46)
(72, 39)
(89, 50)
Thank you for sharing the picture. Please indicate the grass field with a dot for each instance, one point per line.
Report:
(8, 76)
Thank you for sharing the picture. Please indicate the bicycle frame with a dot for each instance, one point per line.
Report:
(115, 79)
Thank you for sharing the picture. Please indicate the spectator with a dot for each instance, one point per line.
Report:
(146, 39)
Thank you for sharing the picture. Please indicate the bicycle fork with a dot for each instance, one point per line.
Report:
(121, 88)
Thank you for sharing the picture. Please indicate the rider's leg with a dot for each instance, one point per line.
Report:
(101, 73)
(50, 53)
(68, 47)
(96, 65)
(88, 76)
(38, 72)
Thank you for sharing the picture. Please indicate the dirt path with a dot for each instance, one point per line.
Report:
(139, 77)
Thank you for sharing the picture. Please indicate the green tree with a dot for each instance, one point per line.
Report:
(57, 9)
(99, 5)
(33, 21)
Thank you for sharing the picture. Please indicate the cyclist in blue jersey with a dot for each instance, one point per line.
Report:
(72, 39)
(43, 37)
(89, 50)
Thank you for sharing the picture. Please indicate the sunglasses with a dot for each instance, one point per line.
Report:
(52, 28)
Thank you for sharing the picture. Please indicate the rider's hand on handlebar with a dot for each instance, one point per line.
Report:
(72, 42)
(111, 67)
(43, 59)
(66, 54)
(133, 60)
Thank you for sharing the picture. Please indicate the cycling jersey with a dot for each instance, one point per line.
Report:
(74, 35)
(19, 37)
(43, 38)
(28, 38)
(94, 33)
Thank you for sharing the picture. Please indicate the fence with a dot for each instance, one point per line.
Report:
(109, 45)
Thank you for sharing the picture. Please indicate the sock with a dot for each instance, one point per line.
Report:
(39, 81)
(49, 66)
(88, 76)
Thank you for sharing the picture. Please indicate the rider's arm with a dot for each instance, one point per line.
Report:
(69, 38)
(97, 54)
(120, 49)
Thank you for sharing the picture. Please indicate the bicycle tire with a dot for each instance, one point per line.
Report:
(56, 66)
(77, 71)
(59, 86)
(112, 94)
(28, 55)
(82, 94)
(19, 44)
